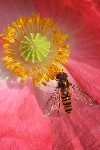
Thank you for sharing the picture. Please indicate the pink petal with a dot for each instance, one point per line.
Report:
(54, 5)
(86, 45)
(87, 77)
(77, 19)
(12, 10)
(97, 5)
(63, 11)
(81, 21)
(22, 125)
(78, 131)
(76, 128)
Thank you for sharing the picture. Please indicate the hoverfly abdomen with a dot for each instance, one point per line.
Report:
(66, 100)
(63, 85)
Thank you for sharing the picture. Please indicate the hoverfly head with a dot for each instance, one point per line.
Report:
(61, 76)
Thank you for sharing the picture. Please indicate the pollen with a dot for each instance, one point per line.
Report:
(34, 47)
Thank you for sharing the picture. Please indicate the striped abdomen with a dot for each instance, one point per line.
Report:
(66, 99)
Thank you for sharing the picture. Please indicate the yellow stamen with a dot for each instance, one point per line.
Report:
(35, 47)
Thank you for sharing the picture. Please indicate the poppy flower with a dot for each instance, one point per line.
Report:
(22, 124)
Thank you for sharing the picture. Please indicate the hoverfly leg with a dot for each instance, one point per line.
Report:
(59, 102)
(52, 103)
(70, 83)
(47, 85)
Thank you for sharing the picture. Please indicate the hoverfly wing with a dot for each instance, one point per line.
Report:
(81, 95)
(52, 103)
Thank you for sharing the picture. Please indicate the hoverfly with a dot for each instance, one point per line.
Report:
(62, 93)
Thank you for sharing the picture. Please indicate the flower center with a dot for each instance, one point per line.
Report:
(34, 47)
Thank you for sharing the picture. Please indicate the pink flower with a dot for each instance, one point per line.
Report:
(22, 124)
